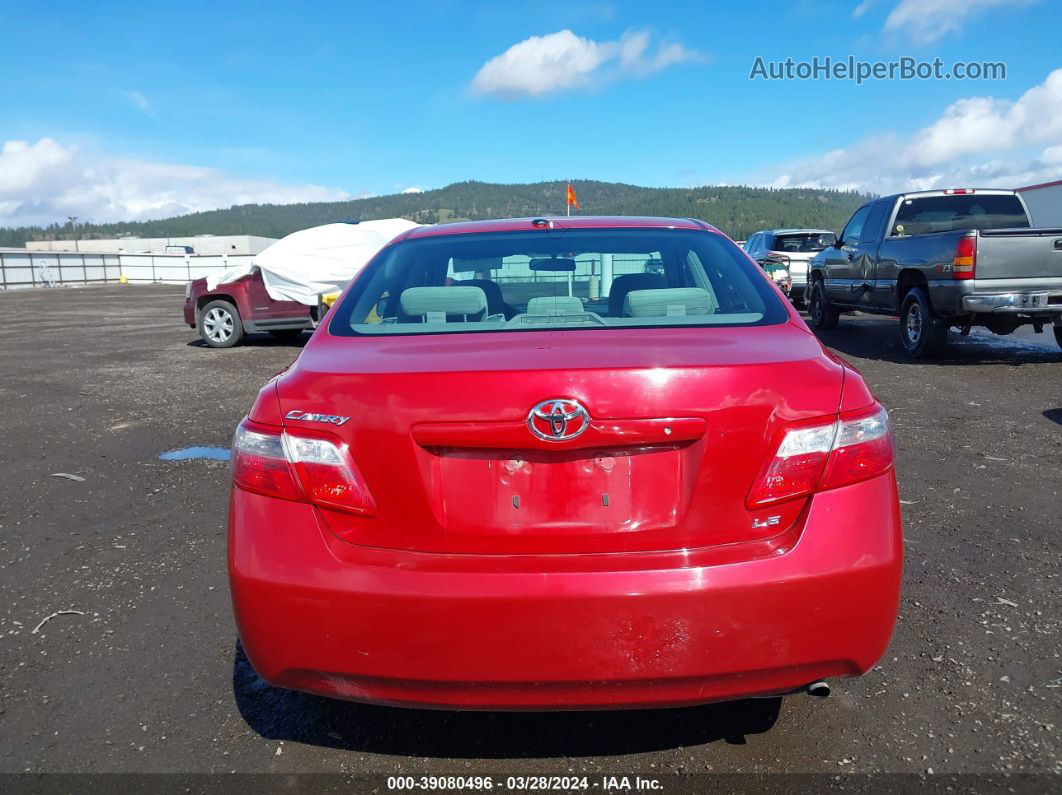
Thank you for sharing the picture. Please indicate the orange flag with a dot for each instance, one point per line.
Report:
(572, 201)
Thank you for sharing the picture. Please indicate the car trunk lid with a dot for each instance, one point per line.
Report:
(678, 426)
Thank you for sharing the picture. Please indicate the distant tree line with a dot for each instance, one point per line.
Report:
(738, 211)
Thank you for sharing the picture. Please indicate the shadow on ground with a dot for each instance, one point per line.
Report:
(298, 717)
(258, 341)
(878, 338)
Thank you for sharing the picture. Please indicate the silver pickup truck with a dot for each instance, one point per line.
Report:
(941, 259)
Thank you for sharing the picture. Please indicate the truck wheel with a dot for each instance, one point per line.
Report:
(822, 313)
(921, 332)
(220, 325)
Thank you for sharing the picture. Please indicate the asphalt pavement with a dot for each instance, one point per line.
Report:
(145, 675)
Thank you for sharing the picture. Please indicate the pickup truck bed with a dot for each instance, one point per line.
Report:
(959, 269)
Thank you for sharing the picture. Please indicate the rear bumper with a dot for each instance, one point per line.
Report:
(571, 632)
(959, 297)
(1014, 303)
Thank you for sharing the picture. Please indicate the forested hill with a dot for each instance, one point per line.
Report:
(738, 211)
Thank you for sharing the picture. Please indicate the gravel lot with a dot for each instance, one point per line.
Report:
(96, 382)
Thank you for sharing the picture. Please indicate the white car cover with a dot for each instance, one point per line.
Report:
(316, 261)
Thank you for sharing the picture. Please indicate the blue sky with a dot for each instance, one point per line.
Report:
(133, 110)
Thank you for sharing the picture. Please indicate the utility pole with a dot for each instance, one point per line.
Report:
(73, 226)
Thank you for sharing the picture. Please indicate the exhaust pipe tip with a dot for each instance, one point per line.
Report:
(818, 689)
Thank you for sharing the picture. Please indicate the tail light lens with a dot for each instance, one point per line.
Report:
(260, 465)
(965, 262)
(297, 467)
(817, 457)
(863, 449)
(328, 475)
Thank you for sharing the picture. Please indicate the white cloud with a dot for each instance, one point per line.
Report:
(928, 20)
(45, 181)
(980, 140)
(862, 8)
(1053, 154)
(140, 102)
(562, 61)
(413, 189)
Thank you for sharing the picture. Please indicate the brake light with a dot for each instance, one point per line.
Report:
(958, 191)
(964, 264)
(863, 449)
(822, 456)
(297, 467)
(328, 475)
(260, 465)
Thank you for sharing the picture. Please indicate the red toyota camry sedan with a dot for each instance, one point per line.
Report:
(567, 463)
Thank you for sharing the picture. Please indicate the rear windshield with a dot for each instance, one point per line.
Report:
(585, 278)
(804, 242)
(920, 216)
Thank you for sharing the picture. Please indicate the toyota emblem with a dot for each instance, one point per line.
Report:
(558, 420)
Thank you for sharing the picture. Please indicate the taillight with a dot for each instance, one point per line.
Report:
(863, 449)
(298, 467)
(958, 191)
(821, 456)
(259, 464)
(328, 475)
(964, 264)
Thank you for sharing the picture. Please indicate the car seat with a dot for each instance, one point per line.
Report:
(628, 282)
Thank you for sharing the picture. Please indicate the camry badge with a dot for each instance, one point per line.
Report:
(558, 420)
(308, 416)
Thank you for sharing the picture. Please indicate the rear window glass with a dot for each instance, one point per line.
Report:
(804, 242)
(580, 278)
(920, 216)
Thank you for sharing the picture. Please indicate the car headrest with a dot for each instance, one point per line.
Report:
(491, 288)
(435, 303)
(669, 302)
(624, 284)
(555, 305)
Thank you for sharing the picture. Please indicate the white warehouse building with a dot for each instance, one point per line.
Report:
(200, 245)
(1044, 202)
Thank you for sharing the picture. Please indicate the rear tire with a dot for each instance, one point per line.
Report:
(822, 313)
(286, 334)
(220, 325)
(921, 331)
